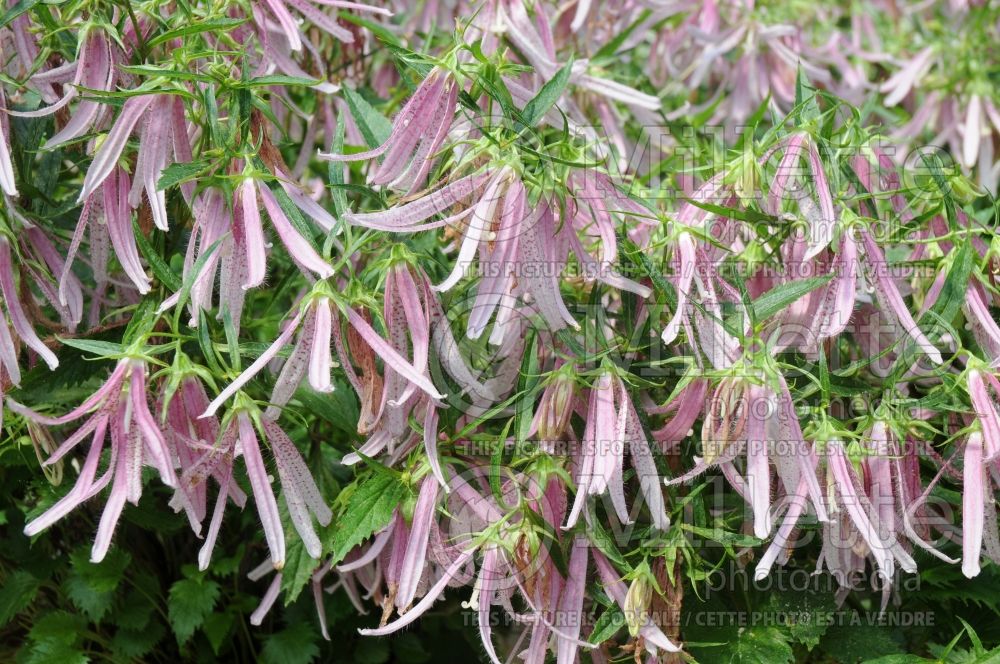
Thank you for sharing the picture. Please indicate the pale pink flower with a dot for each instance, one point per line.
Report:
(418, 133)
(121, 407)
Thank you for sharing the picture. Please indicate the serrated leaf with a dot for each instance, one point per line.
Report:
(189, 603)
(216, 628)
(55, 639)
(760, 645)
(850, 642)
(137, 643)
(369, 508)
(295, 644)
(17, 592)
(95, 604)
(91, 586)
(299, 565)
(806, 610)
(135, 612)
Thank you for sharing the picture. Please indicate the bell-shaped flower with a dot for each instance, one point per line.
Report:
(879, 275)
(23, 329)
(984, 326)
(418, 132)
(119, 407)
(856, 529)
(94, 70)
(8, 186)
(302, 497)
(650, 635)
(390, 401)
(611, 424)
(518, 27)
(318, 324)
(276, 16)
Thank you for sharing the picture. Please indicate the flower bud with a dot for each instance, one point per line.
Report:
(637, 600)
(555, 407)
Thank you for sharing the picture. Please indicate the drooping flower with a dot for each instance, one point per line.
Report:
(879, 275)
(302, 497)
(524, 33)
(612, 424)
(200, 454)
(119, 407)
(979, 514)
(304, 255)
(276, 16)
(760, 421)
(652, 637)
(855, 529)
(984, 326)
(315, 340)
(94, 70)
(18, 319)
(418, 132)
(7, 184)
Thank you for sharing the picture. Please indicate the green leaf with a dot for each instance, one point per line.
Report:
(299, 565)
(91, 586)
(136, 610)
(606, 544)
(15, 11)
(760, 645)
(952, 294)
(783, 295)
(550, 93)
(55, 639)
(93, 346)
(216, 628)
(153, 72)
(850, 641)
(137, 643)
(91, 602)
(339, 408)
(938, 318)
(805, 97)
(179, 172)
(295, 644)
(808, 611)
(190, 602)
(372, 651)
(335, 170)
(527, 384)
(276, 79)
(374, 127)
(370, 507)
(610, 48)
(211, 25)
(748, 215)
(607, 625)
(17, 592)
(156, 263)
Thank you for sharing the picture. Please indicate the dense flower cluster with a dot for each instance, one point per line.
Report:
(600, 250)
